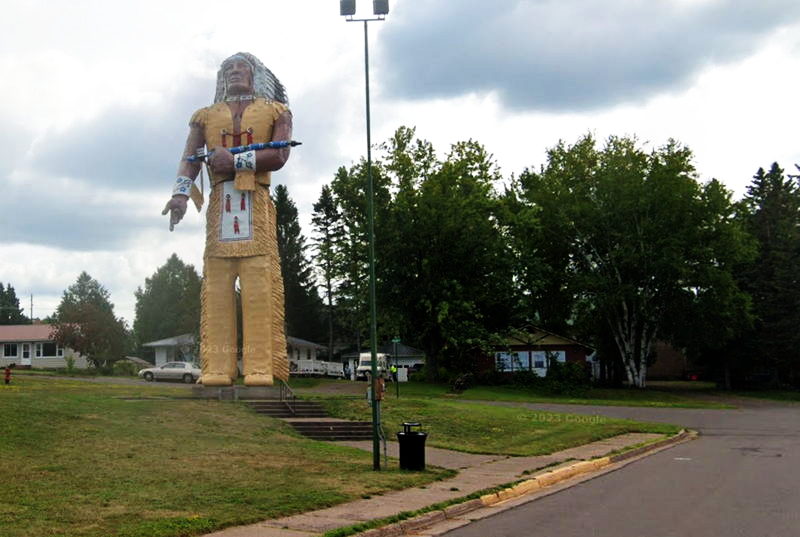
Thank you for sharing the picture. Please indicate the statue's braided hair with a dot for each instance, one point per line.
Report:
(265, 84)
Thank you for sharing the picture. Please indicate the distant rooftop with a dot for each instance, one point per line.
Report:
(175, 341)
(25, 332)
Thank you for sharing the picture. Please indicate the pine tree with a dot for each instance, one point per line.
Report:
(327, 240)
(10, 312)
(772, 215)
(303, 305)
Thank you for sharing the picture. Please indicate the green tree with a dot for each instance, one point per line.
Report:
(327, 240)
(645, 240)
(85, 322)
(303, 305)
(771, 213)
(444, 264)
(349, 188)
(10, 312)
(168, 305)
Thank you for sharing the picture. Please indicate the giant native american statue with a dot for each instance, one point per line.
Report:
(250, 109)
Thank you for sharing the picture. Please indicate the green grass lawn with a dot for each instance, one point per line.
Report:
(786, 396)
(476, 428)
(85, 459)
(661, 396)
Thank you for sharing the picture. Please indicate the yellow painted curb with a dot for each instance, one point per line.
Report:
(490, 499)
(526, 486)
(545, 480)
(602, 462)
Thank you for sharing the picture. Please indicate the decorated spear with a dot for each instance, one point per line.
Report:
(279, 144)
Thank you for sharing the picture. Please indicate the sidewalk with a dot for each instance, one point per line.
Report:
(476, 472)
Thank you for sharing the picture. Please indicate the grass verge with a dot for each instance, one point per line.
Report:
(89, 460)
(662, 396)
(476, 428)
(784, 396)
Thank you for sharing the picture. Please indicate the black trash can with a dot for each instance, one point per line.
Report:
(412, 447)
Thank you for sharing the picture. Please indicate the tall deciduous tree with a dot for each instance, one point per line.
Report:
(303, 305)
(85, 322)
(169, 303)
(643, 238)
(10, 312)
(445, 265)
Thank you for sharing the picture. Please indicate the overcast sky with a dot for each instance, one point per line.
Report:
(96, 95)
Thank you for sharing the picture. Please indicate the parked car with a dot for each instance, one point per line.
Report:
(182, 371)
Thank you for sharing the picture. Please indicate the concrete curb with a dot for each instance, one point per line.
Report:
(523, 488)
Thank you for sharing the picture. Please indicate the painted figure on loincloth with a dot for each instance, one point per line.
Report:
(250, 106)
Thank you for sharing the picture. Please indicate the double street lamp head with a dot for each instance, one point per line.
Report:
(380, 7)
(347, 8)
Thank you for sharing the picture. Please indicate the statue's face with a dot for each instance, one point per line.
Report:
(239, 78)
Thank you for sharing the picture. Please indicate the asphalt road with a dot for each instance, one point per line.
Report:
(740, 478)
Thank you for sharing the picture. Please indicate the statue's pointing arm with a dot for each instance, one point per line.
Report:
(187, 172)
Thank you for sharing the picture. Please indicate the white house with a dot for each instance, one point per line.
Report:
(303, 355)
(173, 349)
(300, 349)
(31, 345)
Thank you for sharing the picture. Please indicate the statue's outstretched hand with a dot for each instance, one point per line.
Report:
(176, 207)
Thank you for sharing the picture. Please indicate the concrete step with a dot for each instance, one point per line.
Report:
(333, 430)
(340, 438)
(274, 404)
(280, 409)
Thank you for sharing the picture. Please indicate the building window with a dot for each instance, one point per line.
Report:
(49, 349)
(26, 350)
(512, 361)
(60, 351)
(10, 350)
(38, 350)
(542, 359)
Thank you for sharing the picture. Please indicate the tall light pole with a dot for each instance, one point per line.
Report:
(380, 8)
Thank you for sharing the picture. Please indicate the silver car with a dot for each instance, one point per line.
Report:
(177, 371)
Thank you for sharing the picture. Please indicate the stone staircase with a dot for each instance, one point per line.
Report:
(282, 409)
(311, 420)
(333, 430)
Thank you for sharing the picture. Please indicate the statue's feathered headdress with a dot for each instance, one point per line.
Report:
(265, 84)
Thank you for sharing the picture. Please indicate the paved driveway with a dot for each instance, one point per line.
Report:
(740, 478)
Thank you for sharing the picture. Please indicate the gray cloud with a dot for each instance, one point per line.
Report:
(58, 218)
(566, 55)
(129, 147)
(136, 149)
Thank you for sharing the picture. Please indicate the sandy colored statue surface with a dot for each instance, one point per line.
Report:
(250, 107)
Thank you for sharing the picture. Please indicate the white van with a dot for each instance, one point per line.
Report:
(364, 368)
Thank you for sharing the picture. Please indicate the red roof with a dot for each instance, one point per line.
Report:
(25, 332)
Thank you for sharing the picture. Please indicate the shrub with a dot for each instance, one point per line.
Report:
(462, 382)
(567, 378)
(125, 368)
